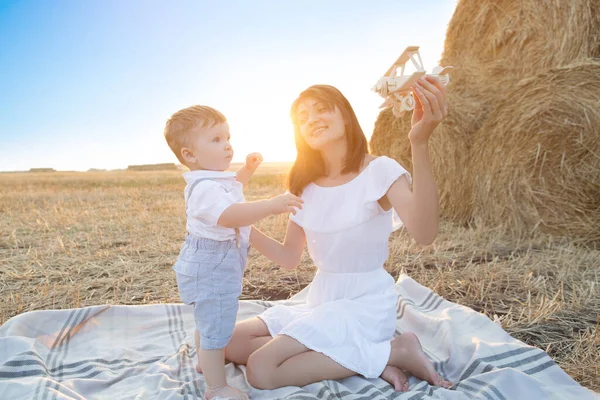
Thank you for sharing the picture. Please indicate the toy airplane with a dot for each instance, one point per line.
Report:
(396, 90)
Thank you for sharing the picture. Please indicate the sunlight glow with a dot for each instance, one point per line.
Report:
(104, 99)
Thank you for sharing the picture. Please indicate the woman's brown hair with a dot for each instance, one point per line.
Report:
(309, 164)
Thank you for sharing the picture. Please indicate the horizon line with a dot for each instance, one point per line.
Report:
(131, 167)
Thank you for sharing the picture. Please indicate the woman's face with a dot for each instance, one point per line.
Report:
(320, 125)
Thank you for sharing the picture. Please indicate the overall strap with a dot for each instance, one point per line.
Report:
(194, 184)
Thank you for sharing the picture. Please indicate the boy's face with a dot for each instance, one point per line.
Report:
(210, 148)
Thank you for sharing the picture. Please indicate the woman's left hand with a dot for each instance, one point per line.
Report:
(430, 109)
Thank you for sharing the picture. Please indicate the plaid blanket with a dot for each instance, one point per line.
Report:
(147, 352)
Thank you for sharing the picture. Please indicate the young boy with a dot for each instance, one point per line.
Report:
(211, 262)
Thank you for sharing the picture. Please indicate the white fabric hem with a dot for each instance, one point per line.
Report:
(267, 324)
(318, 350)
(343, 364)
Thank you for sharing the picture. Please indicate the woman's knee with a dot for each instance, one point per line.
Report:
(259, 373)
(240, 346)
(235, 349)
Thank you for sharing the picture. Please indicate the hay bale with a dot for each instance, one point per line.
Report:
(390, 137)
(536, 161)
(449, 150)
(502, 52)
(495, 43)
(526, 35)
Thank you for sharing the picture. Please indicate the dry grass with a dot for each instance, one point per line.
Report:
(80, 239)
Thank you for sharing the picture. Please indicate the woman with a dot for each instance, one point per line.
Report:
(346, 327)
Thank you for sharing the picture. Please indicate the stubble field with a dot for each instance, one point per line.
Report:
(79, 239)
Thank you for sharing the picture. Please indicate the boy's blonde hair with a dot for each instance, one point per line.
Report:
(179, 125)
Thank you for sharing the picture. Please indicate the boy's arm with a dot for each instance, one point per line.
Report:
(244, 214)
(244, 174)
(286, 254)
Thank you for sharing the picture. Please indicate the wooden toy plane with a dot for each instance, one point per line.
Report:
(396, 89)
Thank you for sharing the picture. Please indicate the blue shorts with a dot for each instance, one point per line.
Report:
(209, 277)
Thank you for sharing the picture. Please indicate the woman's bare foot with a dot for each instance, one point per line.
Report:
(407, 354)
(226, 392)
(395, 377)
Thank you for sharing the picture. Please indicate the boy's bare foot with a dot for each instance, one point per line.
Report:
(395, 377)
(407, 354)
(226, 392)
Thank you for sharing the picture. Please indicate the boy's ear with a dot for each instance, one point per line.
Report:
(188, 155)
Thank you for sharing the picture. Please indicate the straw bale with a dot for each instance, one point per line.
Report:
(535, 163)
(495, 43)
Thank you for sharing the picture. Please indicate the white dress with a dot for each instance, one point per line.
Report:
(350, 311)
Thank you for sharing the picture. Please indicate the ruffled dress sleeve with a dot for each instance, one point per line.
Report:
(331, 209)
(298, 218)
(386, 172)
(382, 176)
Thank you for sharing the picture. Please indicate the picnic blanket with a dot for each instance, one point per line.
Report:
(148, 352)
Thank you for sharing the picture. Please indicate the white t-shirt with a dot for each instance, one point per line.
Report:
(208, 194)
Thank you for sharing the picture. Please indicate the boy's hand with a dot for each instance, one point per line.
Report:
(244, 174)
(285, 203)
(253, 160)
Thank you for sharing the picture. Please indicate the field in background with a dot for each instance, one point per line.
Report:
(80, 239)
(267, 168)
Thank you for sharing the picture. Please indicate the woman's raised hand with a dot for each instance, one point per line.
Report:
(430, 109)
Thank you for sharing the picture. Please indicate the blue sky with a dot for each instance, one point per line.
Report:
(90, 84)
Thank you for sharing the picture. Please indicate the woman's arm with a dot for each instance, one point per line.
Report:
(286, 254)
(419, 210)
